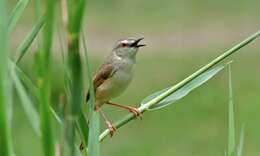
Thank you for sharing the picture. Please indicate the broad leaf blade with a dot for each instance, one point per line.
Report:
(183, 91)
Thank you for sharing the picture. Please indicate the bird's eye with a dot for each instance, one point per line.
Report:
(124, 44)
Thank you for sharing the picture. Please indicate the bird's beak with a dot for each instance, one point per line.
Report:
(135, 44)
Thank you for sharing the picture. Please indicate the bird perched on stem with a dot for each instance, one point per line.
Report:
(114, 76)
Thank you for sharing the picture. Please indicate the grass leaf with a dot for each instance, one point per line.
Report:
(184, 90)
(5, 94)
(93, 143)
(75, 12)
(94, 122)
(16, 13)
(26, 43)
(32, 89)
(241, 141)
(83, 128)
(43, 80)
(26, 102)
(231, 121)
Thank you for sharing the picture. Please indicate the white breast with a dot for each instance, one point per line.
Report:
(115, 85)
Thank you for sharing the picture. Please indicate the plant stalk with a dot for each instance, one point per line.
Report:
(74, 10)
(44, 81)
(5, 95)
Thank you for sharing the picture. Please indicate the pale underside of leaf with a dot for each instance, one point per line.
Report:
(183, 91)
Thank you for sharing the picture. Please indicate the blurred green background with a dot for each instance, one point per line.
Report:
(181, 36)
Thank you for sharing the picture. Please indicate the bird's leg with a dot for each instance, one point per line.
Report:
(109, 125)
(133, 110)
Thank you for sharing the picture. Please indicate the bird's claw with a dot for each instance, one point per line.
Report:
(136, 112)
(111, 128)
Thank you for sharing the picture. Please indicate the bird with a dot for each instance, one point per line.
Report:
(114, 76)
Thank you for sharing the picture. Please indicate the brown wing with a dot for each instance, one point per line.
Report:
(104, 73)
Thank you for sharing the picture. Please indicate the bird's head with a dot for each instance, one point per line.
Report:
(127, 48)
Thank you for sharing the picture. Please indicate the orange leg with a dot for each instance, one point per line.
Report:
(109, 125)
(133, 110)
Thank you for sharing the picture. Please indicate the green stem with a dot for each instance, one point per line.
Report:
(174, 88)
(75, 11)
(5, 95)
(44, 81)
(231, 120)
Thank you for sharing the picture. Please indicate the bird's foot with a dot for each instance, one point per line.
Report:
(136, 112)
(133, 110)
(111, 128)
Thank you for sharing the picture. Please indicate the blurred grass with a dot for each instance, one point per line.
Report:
(44, 67)
(5, 85)
(165, 11)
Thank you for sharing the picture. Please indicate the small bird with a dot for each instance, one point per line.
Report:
(114, 76)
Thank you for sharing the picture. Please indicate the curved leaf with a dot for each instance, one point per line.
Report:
(26, 43)
(183, 91)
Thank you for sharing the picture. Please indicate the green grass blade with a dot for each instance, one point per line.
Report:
(26, 81)
(32, 89)
(93, 143)
(26, 43)
(16, 13)
(75, 12)
(27, 104)
(241, 141)
(5, 96)
(231, 121)
(184, 90)
(94, 123)
(37, 8)
(56, 116)
(83, 129)
(91, 101)
(43, 82)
